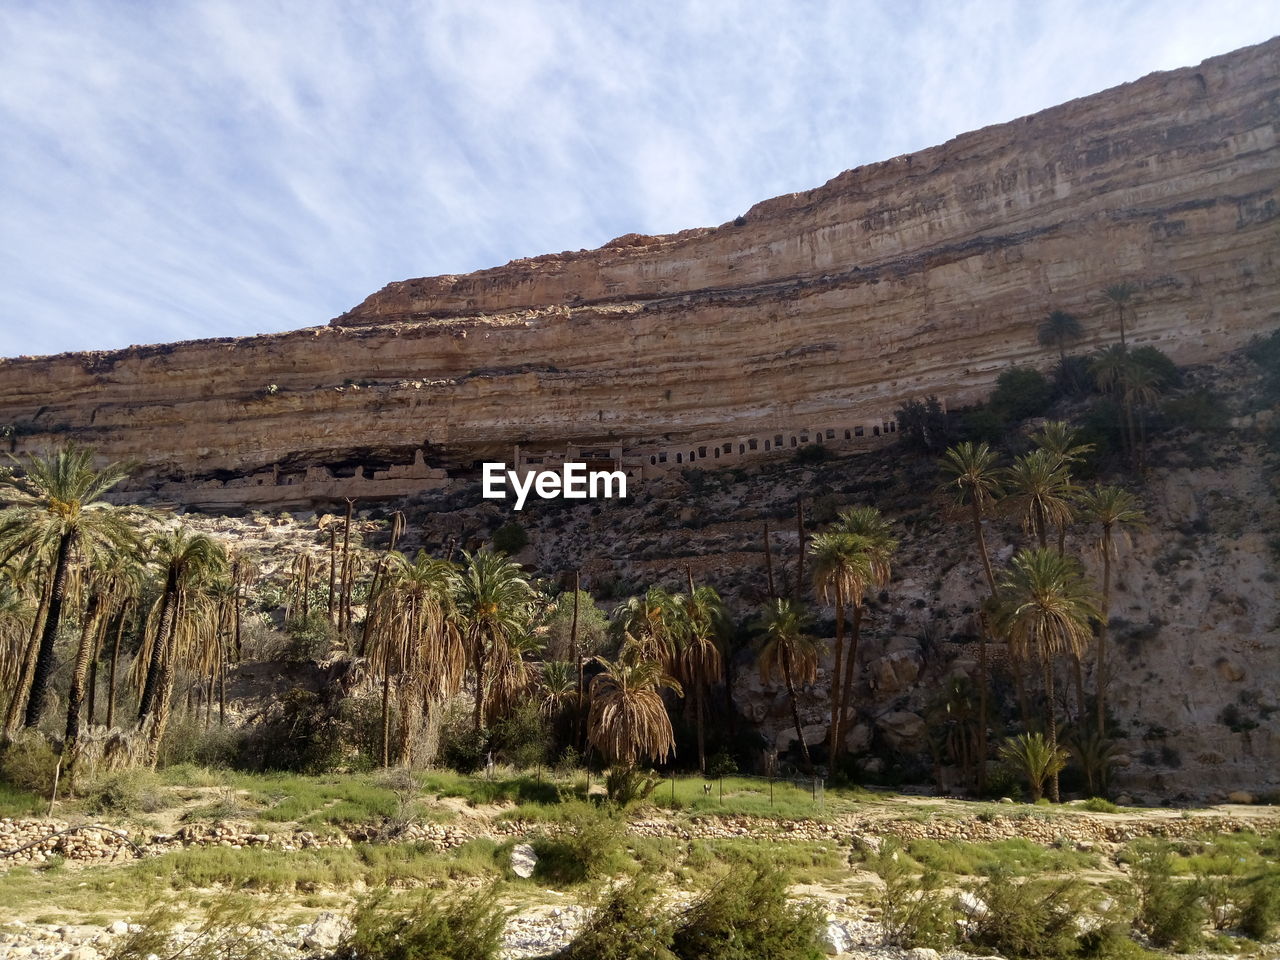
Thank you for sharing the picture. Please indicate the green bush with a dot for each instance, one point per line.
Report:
(425, 926)
(586, 845)
(627, 923)
(1032, 918)
(913, 910)
(812, 453)
(510, 538)
(463, 748)
(1021, 392)
(126, 792)
(28, 763)
(747, 916)
(1200, 411)
(1157, 361)
(1259, 906)
(523, 737)
(1100, 805)
(309, 637)
(230, 928)
(1171, 911)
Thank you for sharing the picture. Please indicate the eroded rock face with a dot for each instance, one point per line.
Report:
(817, 311)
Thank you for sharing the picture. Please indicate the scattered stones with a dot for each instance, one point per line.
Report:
(324, 933)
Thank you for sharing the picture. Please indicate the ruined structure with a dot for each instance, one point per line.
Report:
(809, 318)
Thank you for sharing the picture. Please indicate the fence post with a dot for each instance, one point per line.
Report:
(722, 790)
(673, 790)
(771, 791)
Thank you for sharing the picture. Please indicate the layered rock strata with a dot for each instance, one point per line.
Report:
(814, 315)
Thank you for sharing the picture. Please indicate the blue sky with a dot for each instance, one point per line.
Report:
(192, 169)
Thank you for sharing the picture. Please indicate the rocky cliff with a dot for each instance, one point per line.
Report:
(823, 310)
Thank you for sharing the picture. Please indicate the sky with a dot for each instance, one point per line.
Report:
(180, 170)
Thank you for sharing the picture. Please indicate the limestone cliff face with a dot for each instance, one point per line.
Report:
(923, 274)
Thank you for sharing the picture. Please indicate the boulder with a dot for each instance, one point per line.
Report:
(834, 939)
(858, 739)
(895, 672)
(324, 933)
(903, 729)
(1229, 671)
(971, 905)
(1240, 796)
(523, 860)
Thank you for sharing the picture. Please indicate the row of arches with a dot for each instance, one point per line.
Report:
(855, 435)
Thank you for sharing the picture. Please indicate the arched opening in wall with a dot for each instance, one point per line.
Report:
(751, 444)
(777, 439)
(793, 440)
(653, 461)
(691, 456)
(717, 453)
(679, 458)
(742, 448)
(662, 457)
(767, 445)
(875, 431)
(848, 435)
(702, 452)
(728, 448)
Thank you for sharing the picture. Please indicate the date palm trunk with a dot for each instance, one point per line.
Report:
(45, 662)
(834, 730)
(18, 700)
(795, 709)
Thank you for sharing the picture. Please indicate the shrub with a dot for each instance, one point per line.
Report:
(126, 792)
(1071, 377)
(309, 637)
(231, 928)
(425, 926)
(913, 910)
(1100, 805)
(1021, 392)
(1170, 911)
(1157, 361)
(464, 748)
(721, 765)
(510, 538)
(812, 453)
(587, 845)
(1259, 905)
(1199, 411)
(626, 785)
(627, 923)
(523, 737)
(923, 424)
(1034, 918)
(28, 763)
(746, 916)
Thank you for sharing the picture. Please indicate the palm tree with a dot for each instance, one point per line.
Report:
(1057, 330)
(841, 571)
(1120, 296)
(789, 650)
(492, 598)
(1036, 759)
(628, 721)
(414, 642)
(1046, 607)
(190, 561)
(56, 508)
(699, 660)
(1040, 489)
(1111, 508)
(651, 622)
(867, 523)
(1115, 371)
(559, 682)
(1061, 441)
(972, 479)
